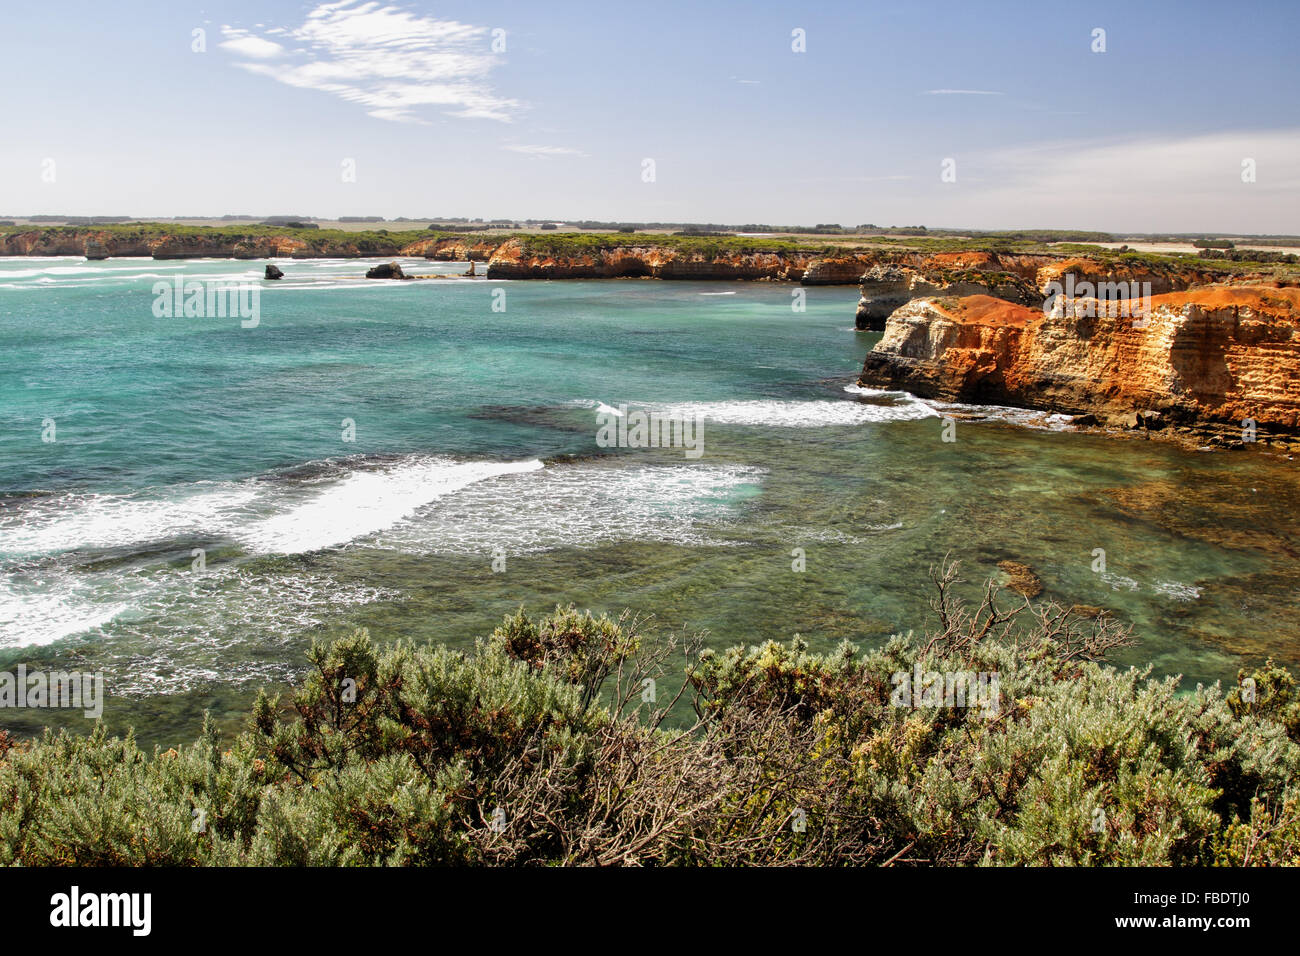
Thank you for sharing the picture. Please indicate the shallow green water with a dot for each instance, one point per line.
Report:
(475, 435)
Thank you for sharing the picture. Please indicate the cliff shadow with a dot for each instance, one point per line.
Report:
(1198, 356)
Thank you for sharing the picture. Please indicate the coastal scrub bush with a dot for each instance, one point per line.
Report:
(1000, 736)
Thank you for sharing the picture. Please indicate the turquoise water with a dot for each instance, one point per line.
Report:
(475, 437)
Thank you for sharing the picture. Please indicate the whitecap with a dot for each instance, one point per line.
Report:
(272, 517)
(798, 414)
(38, 614)
(367, 501)
(100, 522)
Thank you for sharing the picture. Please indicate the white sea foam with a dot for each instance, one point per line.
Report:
(368, 501)
(786, 414)
(116, 268)
(74, 270)
(134, 275)
(1027, 417)
(191, 626)
(417, 505)
(42, 602)
(264, 516)
(799, 414)
(878, 392)
(174, 624)
(580, 505)
(37, 614)
(99, 522)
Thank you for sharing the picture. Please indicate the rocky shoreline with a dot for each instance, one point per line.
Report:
(1215, 358)
(1216, 365)
(888, 277)
(98, 244)
(505, 257)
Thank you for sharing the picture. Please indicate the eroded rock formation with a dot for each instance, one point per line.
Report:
(1022, 279)
(452, 250)
(1207, 360)
(515, 260)
(386, 270)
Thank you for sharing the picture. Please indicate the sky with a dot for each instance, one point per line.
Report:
(1179, 117)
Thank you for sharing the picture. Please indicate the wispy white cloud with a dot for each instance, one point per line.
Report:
(964, 93)
(546, 150)
(390, 61)
(241, 43)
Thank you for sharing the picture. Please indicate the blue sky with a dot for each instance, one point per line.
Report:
(1148, 136)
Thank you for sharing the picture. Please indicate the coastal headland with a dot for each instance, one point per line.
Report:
(1215, 364)
(891, 269)
(1200, 347)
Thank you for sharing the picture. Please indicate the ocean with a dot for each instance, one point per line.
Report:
(187, 501)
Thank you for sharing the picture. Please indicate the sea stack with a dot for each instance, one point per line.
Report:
(273, 272)
(388, 270)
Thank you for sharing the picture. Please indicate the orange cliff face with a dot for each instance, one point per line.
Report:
(513, 260)
(1024, 279)
(506, 258)
(1202, 360)
(451, 250)
(900, 279)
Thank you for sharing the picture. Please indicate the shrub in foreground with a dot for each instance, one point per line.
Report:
(549, 744)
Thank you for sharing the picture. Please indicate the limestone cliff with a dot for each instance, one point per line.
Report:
(1019, 278)
(1202, 360)
(585, 256)
(839, 270)
(889, 276)
(515, 260)
(452, 250)
(189, 244)
(1159, 279)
